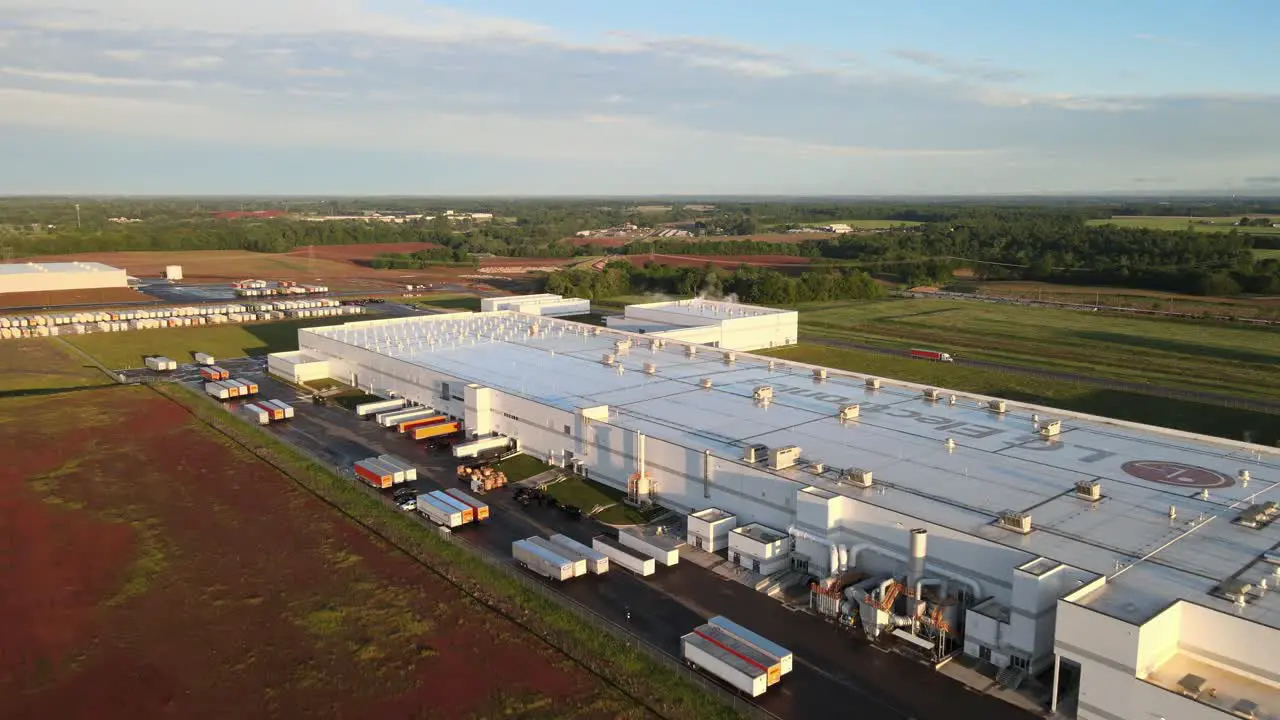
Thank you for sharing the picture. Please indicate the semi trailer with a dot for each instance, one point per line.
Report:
(379, 406)
(597, 562)
(481, 509)
(541, 561)
(439, 512)
(738, 671)
(931, 355)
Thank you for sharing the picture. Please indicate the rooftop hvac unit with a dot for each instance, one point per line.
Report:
(997, 406)
(856, 476)
(705, 382)
(783, 457)
(820, 373)
(690, 350)
(931, 394)
(650, 368)
(1089, 490)
(849, 412)
(1051, 428)
(817, 468)
(595, 330)
(608, 359)
(1018, 522)
(763, 393)
(755, 453)
(729, 357)
(873, 383)
(1243, 475)
(622, 346)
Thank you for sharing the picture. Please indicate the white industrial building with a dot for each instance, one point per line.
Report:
(717, 323)
(48, 277)
(1136, 565)
(546, 304)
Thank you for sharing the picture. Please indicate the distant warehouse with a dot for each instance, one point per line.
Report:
(46, 277)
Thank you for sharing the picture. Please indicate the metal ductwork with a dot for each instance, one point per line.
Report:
(916, 556)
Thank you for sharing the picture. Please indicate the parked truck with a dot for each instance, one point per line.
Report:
(410, 471)
(286, 410)
(408, 425)
(374, 473)
(396, 417)
(379, 406)
(784, 656)
(219, 390)
(256, 413)
(481, 509)
(597, 562)
(541, 561)
(931, 355)
(439, 512)
(436, 430)
(214, 373)
(723, 638)
(159, 362)
(739, 672)
(203, 358)
(576, 561)
(475, 448)
(468, 512)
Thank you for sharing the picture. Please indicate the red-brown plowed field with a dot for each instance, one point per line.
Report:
(210, 266)
(727, 261)
(72, 297)
(151, 569)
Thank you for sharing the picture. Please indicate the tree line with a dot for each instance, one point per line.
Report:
(748, 284)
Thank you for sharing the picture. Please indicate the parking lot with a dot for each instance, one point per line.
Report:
(837, 675)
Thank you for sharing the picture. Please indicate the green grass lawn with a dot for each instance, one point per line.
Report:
(1205, 356)
(1178, 414)
(122, 350)
(447, 302)
(521, 467)
(351, 398)
(587, 495)
(1199, 224)
(1263, 254)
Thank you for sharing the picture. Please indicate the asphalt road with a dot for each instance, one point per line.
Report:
(837, 675)
(1257, 405)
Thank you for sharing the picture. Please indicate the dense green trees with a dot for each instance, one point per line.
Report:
(748, 284)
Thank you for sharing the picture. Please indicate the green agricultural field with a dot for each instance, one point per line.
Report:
(587, 495)
(1203, 356)
(447, 302)
(123, 350)
(1181, 415)
(1200, 224)
(521, 467)
(1267, 253)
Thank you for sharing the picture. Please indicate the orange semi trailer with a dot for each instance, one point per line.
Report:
(436, 430)
(411, 424)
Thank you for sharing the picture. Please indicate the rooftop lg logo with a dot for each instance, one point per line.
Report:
(1177, 474)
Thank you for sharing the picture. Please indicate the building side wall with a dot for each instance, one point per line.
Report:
(1232, 643)
(1158, 640)
(1107, 651)
(59, 280)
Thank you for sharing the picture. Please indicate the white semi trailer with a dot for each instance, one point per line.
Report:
(739, 672)
(542, 562)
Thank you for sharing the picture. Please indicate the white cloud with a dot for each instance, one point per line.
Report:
(200, 62)
(124, 55)
(84, 78)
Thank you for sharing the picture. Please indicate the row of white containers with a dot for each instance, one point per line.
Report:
(295, 290)
(81, 328)
(161, 313)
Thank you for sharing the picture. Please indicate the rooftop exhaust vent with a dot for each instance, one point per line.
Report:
(705, 383)
(763, 393)
(690, 350)
(856, 476)
(850, 412)
(1259, 516)
(650, 368)
(817, 468)
(1050, 428)
(997, 406)
(1243, 476)
(1089, 490)
(819, 373)
(873, 383)
(755, 453)
(729, 357)
(783, 457)
(931, 394)
(1018, 522)
(608, 359)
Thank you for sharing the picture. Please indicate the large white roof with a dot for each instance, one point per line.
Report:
(998, 463)
(59, 267)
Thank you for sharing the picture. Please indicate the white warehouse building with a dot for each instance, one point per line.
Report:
(546, 304)
(717, 323)
(49, 277)
(1135, 565)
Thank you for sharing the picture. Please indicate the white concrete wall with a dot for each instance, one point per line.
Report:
(1233, 643)
(1107, 651)
(1033, 607)
(1158, 640)
(772, 556)
(478, 416)
(62, 280)
(714, 535)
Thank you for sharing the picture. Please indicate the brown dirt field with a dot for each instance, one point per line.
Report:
(73, 297)
(725, 261)
(210, 266)
(158, 571)
(43, 364)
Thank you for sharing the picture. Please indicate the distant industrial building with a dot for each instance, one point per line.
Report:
(717, 323)
(1137, 566)
(545, 304)
(49, 277)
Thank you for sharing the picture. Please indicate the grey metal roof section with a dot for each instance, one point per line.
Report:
(998, 461)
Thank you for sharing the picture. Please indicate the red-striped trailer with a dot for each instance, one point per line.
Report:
(931, 355)
(715, 651)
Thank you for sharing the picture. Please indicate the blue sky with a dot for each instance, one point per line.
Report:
(576, 97)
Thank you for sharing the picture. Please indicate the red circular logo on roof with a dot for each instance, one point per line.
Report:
(1172, 473)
